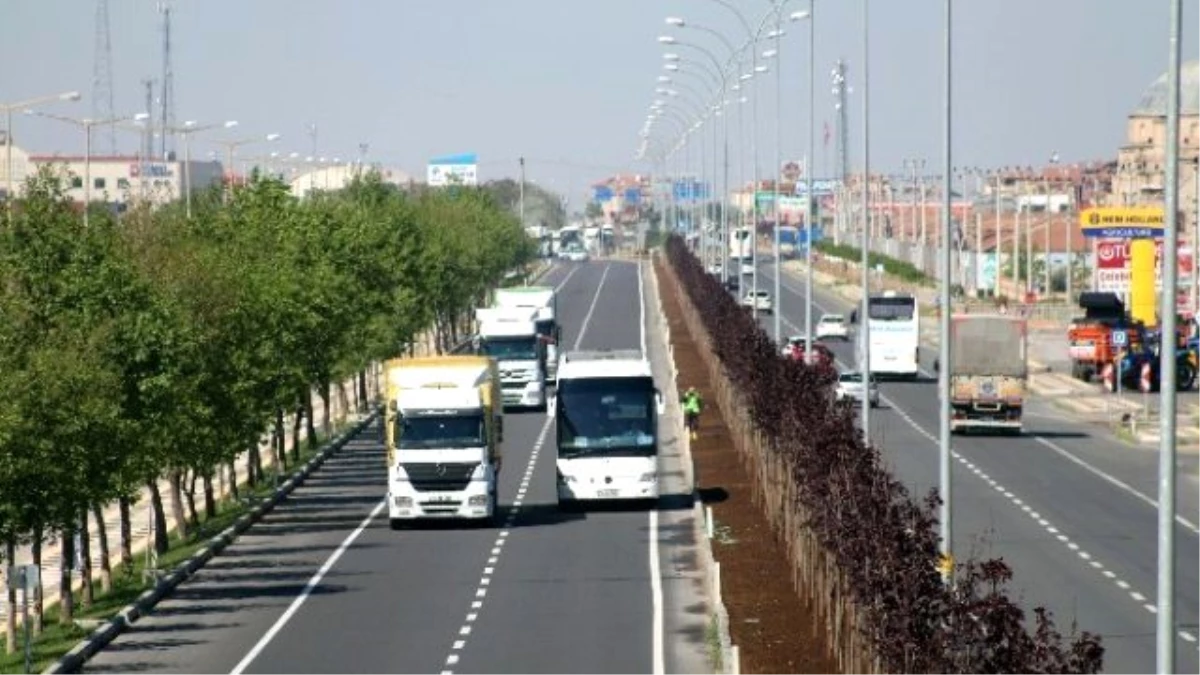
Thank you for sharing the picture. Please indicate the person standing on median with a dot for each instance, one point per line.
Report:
(692, 406)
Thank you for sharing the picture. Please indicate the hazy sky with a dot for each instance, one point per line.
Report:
(567, 83)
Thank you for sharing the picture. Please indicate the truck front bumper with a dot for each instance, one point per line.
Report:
(528, 394)
(405, 503)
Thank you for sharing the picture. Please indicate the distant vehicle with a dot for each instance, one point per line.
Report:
(510, 336)
(850, 387)
(732, 284)
(893, 325)
(545, 301)
(794, 349)
(741, 243)
(747, 269)
(988, 372)
(833, 326)
(759, 301)
(575, 253)
(607, 410)
(789, 237)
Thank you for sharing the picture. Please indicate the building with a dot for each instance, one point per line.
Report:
(339, 176)
(1141, 161)
(20, 166)
(117, 179)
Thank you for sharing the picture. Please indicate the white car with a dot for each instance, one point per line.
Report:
(576, 254)
(747, 270)
(759, 301)
(850, 387)
(833, 326)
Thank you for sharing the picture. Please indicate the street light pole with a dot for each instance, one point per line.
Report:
(808, 219)
(8, 108)
(865, 336)
(944, 352)
(1165, 649)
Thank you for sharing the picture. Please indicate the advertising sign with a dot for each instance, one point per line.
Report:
(821, 186)
(1122, 221)
(453, 170)
(1113, 263)
(690, 190)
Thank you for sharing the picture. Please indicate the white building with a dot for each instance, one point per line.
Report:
(339, 176)
(20, 166)
(120, 179)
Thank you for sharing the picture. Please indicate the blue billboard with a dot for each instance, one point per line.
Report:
(602, 193)
(822, 187)
(633, 196)
(685, 191)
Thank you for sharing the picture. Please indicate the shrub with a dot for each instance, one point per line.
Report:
(866, 552)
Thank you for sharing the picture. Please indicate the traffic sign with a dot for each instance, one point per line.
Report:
(1144, 380)
(1119, 337)
(1122, 222)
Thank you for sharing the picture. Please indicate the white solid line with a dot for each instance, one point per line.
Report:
(308, 589)
(656, 599)
(587, 318)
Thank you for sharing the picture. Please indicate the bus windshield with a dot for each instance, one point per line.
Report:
(606, 416)
(891, 309)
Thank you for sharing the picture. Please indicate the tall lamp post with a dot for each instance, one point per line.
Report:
(8, 109)
(865, 337)
(809, 15)
(87, 125)
(232, 146)
(190, 127)
(944, 353)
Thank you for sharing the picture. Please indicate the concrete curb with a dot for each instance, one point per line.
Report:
(100, 638)
(701, 524)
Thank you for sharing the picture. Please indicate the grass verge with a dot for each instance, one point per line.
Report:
(128, 583)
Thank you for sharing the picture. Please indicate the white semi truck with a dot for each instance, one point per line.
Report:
(545, 301)
(442, 429)
(510, 336)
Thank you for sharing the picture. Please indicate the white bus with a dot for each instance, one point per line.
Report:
(893, 324)
(741, 246)
(606, 410)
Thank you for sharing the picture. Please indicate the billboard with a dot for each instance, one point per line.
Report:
(690, 190)
(1113, 262)
(453, 170)
(1122, 222)
(821, 186)
(602, 193)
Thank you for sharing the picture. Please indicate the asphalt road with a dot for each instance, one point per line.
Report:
(1072, 512)
(545, 592)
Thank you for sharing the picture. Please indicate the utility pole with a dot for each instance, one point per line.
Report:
(864, 333)
(521, 194)
(842, 150)
(102, 84)
(147, 140)
(946, 488)
(168, 84)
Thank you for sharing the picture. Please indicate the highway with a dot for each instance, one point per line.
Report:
(1072, 512)
(323, 584)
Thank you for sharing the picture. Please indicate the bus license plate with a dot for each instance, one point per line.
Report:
(606, 493)
(440, 499)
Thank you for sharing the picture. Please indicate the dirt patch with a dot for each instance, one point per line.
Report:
(774, 630)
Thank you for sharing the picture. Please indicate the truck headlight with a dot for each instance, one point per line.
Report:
(478, 500)
(403, 502)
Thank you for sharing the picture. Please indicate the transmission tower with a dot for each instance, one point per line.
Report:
(167, 92)
(102, 78)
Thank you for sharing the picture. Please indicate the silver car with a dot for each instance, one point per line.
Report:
(850, 386)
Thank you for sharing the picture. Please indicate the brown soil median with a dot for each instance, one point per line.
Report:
(773, 629)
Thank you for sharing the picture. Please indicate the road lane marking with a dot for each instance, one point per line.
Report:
(308, 589)
(657, 658)
(493, 560)
(1045, 524)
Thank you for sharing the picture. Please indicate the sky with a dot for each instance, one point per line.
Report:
(567, 84)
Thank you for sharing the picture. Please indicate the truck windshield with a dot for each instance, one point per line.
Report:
(545, 327)
(440, 432)
(522, 348)
(606, 416)
(891, 309)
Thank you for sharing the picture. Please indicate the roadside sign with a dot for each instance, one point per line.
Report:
(1108, 377)
(1122, 222)
(1144, 380)
(1119, 337)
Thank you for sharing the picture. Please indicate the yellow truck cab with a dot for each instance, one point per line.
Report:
(443, 424)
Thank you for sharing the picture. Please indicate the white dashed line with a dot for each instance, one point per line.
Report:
(1018, 502)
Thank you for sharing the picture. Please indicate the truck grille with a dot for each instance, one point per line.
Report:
(450, 477)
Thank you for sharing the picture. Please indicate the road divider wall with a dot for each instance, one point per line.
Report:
(864, 552)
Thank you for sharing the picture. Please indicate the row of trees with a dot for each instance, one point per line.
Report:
(156, 345)
(865, 552)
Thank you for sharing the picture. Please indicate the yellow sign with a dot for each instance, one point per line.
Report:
(945, 565)
(1121, 216)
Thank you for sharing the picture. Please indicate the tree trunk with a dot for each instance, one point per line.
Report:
(364, 396)
(39, 595)
(10, 601)
(233, 482)
(126, 535)
(327, 403)
(88, 589)
(190, 495)
(309, 421)
(66, 595)
(343, 401)
(175, 480)
(296, 422)
(161, 543)
(279, 442)
(210, 501)
(102, 541)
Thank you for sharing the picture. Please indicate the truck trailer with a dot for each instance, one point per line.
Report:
(442, 428)
(989, 372)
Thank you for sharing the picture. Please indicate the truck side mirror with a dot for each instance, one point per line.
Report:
(659, 404)
(500, 428)
(551, 404)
